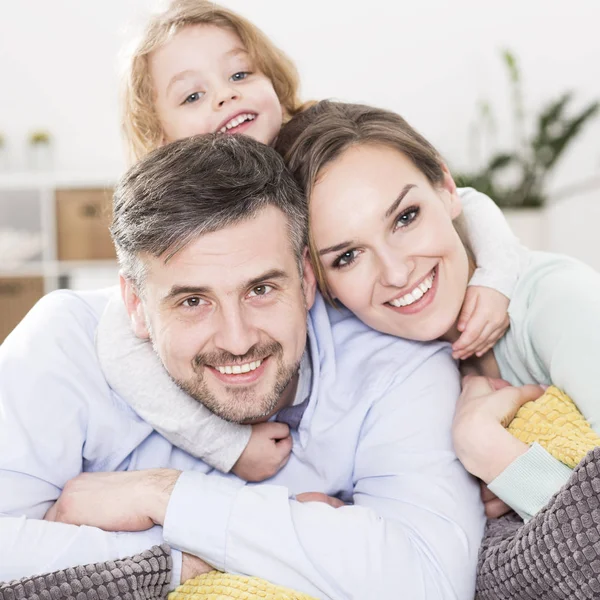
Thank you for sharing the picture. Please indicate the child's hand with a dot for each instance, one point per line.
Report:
(320, 497)
(267, 451)
(483, 321)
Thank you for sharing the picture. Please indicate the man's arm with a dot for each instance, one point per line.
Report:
(416, 523)
(48, 381)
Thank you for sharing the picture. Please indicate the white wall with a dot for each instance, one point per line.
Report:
(430, 60)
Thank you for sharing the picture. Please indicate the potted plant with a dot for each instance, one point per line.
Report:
(516, 178)
(40, 150)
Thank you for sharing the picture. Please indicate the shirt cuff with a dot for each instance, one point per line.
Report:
(198, 515)
(529, 482)
(503, 284)
(177, 562)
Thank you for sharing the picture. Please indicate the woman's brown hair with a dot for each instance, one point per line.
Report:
(321, 134)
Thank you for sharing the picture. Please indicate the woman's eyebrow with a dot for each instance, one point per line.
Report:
(335, 248)
(396, 203)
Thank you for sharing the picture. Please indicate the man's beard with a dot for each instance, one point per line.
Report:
(237, 403)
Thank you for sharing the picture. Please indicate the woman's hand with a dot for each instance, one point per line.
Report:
(484, 410)
(483, 321)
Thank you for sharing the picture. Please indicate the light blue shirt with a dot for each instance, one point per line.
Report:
(376, 431)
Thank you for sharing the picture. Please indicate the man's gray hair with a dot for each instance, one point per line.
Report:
(196, 186)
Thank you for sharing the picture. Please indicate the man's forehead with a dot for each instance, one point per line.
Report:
(230, 257)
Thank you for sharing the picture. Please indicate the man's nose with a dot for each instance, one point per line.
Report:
(235, 332)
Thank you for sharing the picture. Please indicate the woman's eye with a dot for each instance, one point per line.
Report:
(193, 302)
(343, 260)
(260, 290)
(239, 76)
(407, 217)
(193, 97)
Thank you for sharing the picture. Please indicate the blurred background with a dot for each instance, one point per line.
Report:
(506, 91)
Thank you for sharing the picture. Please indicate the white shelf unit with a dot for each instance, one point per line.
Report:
(53, 234)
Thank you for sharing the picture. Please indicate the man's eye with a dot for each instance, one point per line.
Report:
(260, 290)
(239, 76)
(193, 97)
(193, 302)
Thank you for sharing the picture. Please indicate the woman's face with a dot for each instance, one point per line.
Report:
(387, 243)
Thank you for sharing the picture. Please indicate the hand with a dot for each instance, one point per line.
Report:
(192, 566)
(483, 412)
(267, 451)
(320, 497)
(483, 321)
(122, 501)
(494, 507)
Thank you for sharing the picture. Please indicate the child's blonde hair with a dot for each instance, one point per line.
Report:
(141, 126)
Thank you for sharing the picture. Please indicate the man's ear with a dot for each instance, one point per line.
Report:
(134, 307)
(309, 281)
(451, 197)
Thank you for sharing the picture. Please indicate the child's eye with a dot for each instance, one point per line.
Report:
(239, 76)
(260, 290)
(345, 259)
(406, 217)
(193, 98)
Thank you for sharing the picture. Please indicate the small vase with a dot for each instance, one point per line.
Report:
(40, 156)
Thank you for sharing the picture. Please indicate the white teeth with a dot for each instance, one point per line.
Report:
(416, 294)
(237, 369)
(237, 121)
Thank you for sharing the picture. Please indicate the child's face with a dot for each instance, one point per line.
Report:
(205, 82)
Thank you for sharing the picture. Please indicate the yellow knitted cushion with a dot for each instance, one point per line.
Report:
(555, 423)
(223, 586)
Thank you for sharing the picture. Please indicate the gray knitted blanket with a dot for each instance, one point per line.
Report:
(556, 556)
(145, 576)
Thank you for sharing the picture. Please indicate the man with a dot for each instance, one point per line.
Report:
(211, 237)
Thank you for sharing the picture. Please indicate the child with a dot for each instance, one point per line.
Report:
(201, 68)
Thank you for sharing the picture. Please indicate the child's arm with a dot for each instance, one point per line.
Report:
(134, 371)
(498, 254)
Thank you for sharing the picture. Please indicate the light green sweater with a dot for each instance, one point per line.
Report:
(554, 337)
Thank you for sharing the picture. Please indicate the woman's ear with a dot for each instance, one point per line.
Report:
(451, 197)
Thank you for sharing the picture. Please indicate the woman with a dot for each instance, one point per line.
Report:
(383, 208)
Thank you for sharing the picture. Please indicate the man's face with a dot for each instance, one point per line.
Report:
(227, 316)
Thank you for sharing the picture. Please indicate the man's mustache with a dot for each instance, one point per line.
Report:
(256, 352)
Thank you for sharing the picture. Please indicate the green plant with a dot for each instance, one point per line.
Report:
(518, 178)
(39, 137)
(1, 140)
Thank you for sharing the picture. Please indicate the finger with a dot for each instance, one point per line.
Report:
(486, 494)
(468, 308)
(495, 508)
(276, 430)
(284, 447)
(478, 343)
(319, 497)
(51, 514)
(469, 337)
(512, 398)
(475, 386)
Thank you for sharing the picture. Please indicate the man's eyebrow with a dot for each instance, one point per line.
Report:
(180, 290)
(271, 274)
(200, 290)
(396, 203)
